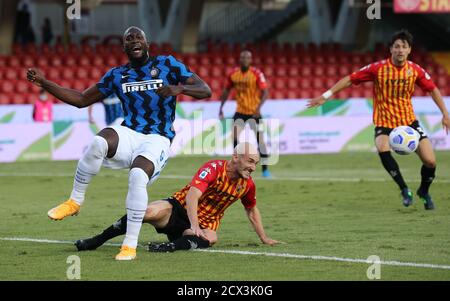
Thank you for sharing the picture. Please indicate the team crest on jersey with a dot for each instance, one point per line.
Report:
(154, 72)
(409, 73)
(238, 188)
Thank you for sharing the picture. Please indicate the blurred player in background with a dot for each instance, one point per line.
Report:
(147, 87)
(43, 108)
(191, 217)
(394, 80)
(251, 93)
(113, 111)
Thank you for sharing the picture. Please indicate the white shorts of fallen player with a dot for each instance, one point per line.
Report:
(133, 144)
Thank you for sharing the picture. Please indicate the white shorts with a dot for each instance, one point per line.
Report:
(132, 144)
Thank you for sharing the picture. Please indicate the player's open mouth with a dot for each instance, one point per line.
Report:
(136, 50)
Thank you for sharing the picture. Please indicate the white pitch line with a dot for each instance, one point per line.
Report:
(284, 255)
(182, 177)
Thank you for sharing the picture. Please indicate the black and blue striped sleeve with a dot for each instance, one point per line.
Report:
(105, 85)
(181, 72)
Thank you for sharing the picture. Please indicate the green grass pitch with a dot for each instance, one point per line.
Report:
(335, 205)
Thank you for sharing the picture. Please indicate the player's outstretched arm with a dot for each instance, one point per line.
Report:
(254, 216)
(69, 96)
(339, 86)
(194, 86)
(437, 97)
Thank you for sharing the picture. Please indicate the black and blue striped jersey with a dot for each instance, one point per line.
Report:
(145, 111)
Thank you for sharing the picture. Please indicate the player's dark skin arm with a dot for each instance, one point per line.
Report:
(223, 99)
(194, 86)
(69, 96)
(254, 216)
(264, 95)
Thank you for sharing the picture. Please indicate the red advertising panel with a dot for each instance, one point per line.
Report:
(421, 6)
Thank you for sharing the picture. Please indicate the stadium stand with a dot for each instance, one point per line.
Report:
(292, 71)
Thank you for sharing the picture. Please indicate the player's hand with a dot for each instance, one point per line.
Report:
(221, 114)
(269, 241)
(315, 102)
(198, 232)
(35, 77)
(446, 124)
(170, 90)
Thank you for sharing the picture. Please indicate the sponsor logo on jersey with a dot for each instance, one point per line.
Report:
(146, 85)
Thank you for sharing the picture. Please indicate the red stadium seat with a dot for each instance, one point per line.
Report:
(110, 61)
(318, 83)
(82, 73)
(305, 83)
(281, 59)
(344, 70)
(307, 93)
(96, 74)
(217, 60)
(97, 61)
(42, 62)
(84, 61)
(331, 70)
(267, 60)
(204, 60)
(293, 71)
(67, 74)
(13, 61)
(268, 71)
(55, 61)
(11, 74)
(217, 71)
(28, 62)
(278, 94)
(6, 87)
(203, 71)
(281, 70)
(19, 99)
(306, 71)
(5, 98)
(53, 73)
(22, 86)
(279, 84)
(318, 70)
(293, 60)
(80, 84)
(292, 83)
(292, 94)
(215, 84)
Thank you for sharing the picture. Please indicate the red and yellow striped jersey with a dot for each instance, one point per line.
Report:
(248, 87)
(393, 88)
(218, 193)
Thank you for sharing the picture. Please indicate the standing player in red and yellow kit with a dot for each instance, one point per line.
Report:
(251, 93)
(191, 217)
(394, 80)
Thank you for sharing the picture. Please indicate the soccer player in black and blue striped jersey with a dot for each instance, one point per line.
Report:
(147, 87)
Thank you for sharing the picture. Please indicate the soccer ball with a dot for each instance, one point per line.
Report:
(404, 140)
